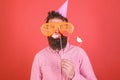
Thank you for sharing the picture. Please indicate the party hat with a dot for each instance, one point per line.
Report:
(63, 9)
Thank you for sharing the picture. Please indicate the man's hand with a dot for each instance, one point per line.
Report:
(68, 68)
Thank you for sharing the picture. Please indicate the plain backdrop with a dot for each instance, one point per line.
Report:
(97, 22)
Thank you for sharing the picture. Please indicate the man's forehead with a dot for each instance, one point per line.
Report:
(55, 20)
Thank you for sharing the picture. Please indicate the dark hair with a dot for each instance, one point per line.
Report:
(54, 14)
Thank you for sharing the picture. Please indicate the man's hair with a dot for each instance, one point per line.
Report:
(54, 14)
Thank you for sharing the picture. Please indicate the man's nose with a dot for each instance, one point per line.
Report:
(57, 30)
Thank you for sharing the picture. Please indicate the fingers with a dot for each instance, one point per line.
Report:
(68, 68)
(66, 64)
(66, 61)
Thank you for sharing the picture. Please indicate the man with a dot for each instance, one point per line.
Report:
(60, 60)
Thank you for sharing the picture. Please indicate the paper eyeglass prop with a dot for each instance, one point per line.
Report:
(48, 29)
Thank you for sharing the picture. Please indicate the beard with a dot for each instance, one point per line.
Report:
(55, 44)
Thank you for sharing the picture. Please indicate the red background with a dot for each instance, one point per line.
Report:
(97, 22)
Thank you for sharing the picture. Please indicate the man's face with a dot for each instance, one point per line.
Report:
(56, 39)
